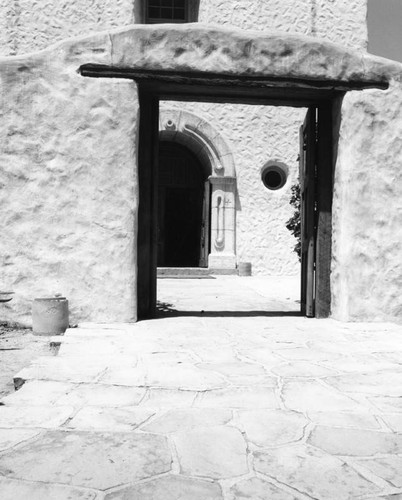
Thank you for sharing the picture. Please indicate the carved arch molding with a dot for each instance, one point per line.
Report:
(214, 153)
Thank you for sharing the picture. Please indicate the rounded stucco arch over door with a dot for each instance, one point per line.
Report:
(213, 152)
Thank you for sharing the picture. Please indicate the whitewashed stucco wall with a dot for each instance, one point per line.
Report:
(29, 25)
(67, 186)
(367, 230)
(257, 134)
(339, 21)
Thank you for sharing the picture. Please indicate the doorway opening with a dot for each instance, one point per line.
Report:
(183, 201)
(260, 213)
(316, 192)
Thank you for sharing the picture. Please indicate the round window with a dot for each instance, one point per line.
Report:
(274, 176)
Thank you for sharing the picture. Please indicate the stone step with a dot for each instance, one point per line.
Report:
(192, 272)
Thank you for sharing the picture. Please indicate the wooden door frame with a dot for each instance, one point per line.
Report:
(151, 92)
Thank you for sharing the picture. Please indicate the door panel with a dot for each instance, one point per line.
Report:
(181, 189)
(307, 176)
(204, 243)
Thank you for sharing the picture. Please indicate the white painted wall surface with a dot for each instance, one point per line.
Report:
(257, 134)
(367, 230)
(30, 25)
(68, 197)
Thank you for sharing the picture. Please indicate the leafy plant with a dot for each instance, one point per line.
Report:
(294, 223)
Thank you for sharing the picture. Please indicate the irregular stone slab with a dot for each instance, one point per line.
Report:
(262, 356)
(12, 437)
(183, 376)
(239, 397)
(18, 490)
(346, 419)
(301, 369)
(394, 421)
(38, 393)
(363, 364)
(107, 349)
(62, 369)
(168, 357)
(384, 384)
(388, 468)
(110, 419)
(89, 459)
(240, 373)
(102, 395)
(269, 428)
(168, 398)
(355, 442)
(387, 403)
(222, 355)
(178, 420)
(313, 472)
(309, 395)
(34, 416)
(257, 489)
(169, 488)
(305, 354)
(214, 452)
(132, 377)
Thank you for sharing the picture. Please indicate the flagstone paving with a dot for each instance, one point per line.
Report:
(223, 404)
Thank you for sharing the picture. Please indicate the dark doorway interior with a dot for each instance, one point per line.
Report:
(180, 203)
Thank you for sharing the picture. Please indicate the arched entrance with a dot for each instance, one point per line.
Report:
(218, 238)
(182, 205)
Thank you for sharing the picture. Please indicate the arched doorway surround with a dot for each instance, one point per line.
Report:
(213, 152)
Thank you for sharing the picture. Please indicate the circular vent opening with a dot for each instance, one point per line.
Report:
(274, 177)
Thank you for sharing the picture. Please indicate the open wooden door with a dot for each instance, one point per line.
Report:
(204, 241)
(307, 178)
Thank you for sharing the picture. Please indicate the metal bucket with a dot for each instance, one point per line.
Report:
(50, 316)
(244, 268)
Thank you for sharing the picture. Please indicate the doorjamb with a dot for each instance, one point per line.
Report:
(150, 93)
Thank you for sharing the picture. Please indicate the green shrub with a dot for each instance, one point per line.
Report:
(294, 223)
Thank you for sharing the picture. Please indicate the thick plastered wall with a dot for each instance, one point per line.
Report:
(30, 25)
(255, 134)
(367, 233)
(68, 183)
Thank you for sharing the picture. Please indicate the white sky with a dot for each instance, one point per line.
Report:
(385, 28)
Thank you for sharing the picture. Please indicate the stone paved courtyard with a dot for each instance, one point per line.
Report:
(245, 400)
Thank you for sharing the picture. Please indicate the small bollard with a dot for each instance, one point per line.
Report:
(244, 269)
(50, 315)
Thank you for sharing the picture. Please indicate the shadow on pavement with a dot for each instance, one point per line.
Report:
(164, 309)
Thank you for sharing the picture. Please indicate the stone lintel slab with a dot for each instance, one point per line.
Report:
(227, 53)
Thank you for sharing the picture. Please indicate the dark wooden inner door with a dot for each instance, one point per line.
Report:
(180, 206)
(307, 178)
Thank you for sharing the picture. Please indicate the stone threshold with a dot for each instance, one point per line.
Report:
(192, 272)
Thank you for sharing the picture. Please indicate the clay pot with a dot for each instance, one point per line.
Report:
(50, 316)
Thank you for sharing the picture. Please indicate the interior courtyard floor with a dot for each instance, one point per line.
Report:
(229, 394)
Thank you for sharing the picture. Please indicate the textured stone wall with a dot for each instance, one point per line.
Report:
(367, 233)
(339, 21)
(67, 185)
(255, 135)
(259, 134)
(30, 25)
